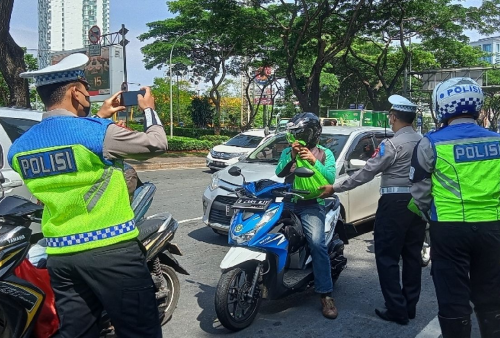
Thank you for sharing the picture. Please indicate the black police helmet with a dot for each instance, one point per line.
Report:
(305, 127)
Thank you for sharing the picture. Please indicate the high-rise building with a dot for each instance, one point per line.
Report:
(64, 24)
(491, 46)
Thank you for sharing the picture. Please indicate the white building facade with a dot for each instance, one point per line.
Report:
(489, 45)
(64, 24)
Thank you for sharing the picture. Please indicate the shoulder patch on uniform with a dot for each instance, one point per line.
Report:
(382, 149)
(47, 163)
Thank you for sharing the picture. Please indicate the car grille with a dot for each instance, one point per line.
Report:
(218, 211)
(221, 155)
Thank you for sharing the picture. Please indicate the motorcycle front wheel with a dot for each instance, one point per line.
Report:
(235, 307)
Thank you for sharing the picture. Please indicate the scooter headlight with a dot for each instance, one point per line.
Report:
(247, 236)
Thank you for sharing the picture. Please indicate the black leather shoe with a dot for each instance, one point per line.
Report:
(412, 313)
(385, 315)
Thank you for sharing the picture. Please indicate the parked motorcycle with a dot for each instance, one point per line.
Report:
(269, 257)
(21, 301)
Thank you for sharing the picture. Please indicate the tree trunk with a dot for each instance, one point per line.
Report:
(12, 57)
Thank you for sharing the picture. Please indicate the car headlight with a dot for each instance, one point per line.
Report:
(233, 155)
(247, 236)
(214, 184)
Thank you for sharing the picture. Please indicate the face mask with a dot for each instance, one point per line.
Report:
(86, 110)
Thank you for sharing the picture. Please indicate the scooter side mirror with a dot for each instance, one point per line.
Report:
(303, 172)
(234, 171)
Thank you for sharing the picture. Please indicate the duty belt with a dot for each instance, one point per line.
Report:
(395, 190)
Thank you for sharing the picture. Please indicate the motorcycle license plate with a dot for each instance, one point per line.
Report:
(252, 203)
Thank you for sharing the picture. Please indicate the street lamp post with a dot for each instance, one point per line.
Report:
(170, 75)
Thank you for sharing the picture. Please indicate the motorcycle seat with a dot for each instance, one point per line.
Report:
(332, 203)
(148, 227)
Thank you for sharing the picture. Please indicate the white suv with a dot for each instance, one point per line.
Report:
(13, 123)
(352, 146)
(228, 153)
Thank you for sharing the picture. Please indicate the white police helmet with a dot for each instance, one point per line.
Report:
(457, 96)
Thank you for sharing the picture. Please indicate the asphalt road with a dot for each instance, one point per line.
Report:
(356, 293)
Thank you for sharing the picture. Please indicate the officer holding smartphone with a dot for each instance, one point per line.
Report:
(73, 163)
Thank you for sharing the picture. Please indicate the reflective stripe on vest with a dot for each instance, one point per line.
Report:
(105, 233)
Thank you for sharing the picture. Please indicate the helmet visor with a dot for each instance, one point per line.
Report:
(302, 134)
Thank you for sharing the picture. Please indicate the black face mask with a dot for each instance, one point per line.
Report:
(86, 110)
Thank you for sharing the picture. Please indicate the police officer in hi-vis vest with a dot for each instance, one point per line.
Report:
(72, 163)
(398, 231)
(456, 185)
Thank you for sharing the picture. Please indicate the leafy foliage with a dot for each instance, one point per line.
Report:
(178, 143)
(201, 112)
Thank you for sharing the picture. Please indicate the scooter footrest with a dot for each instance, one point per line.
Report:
(294, 277)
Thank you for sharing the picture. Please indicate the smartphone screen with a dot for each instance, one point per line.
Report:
(130, 98)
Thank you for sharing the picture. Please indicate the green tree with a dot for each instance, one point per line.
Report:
(310, 35)
(12, 60)
(30, 64)
(380, 55)
(201, 112)
(209, 34)
(181, 99)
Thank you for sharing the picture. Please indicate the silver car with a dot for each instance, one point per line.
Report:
(13, 123)
(352, 147)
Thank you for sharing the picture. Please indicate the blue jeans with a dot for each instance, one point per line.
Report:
(312, 217)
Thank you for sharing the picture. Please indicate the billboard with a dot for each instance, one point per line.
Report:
(263, 75)
(346, 117)
(103, 72)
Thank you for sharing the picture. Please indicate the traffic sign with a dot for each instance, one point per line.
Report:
(94, 34)
(95, 49)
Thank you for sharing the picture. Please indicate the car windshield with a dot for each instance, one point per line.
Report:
(15, 127)
(244, 141)
(270, 151)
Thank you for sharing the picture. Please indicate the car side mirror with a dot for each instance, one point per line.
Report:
(355, 164)
(2, 179)
(234, 171)
(303, 172)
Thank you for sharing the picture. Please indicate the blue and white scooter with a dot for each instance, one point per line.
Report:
(269, 257)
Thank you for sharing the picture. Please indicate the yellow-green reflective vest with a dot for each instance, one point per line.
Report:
(466, 178)
(85, 197)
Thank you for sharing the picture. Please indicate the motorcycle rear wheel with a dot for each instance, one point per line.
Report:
(236, 309)
(167, 305)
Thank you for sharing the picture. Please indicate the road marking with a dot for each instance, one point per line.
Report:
(189, 220)
(432, 330)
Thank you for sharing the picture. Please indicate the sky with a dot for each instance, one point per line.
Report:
(134, 14)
